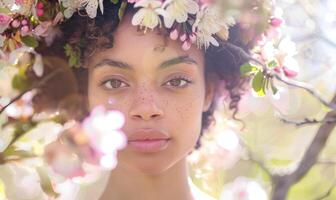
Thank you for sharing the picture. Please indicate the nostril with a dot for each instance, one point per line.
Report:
(155, 115)
(146, 117)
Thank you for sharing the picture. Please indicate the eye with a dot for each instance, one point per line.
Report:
(113, 84)
(179, 82)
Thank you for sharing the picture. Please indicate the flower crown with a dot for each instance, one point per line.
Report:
(25, 22)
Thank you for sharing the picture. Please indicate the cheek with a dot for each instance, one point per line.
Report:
(97, 96)
(186, 117)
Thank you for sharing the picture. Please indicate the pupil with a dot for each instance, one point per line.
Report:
(115, 83)
(176, 82)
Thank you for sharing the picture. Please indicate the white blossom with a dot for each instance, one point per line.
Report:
(178, 10)
(210, 21)
(149, 14)
(243, 189)
(90, 6)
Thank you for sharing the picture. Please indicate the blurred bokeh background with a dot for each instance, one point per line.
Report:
(311, 25)
(227, 166)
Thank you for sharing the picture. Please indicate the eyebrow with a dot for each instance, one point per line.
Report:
(119, 64)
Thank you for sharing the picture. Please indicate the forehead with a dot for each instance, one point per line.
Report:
(135, 47)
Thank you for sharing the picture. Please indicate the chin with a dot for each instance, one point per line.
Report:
(149, 166)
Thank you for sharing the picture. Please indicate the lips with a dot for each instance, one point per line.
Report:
(147, 134)
(148, 141)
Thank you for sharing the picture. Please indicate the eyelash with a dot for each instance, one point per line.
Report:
(183, 78)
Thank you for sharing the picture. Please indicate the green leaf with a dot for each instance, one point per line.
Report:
(114, 1)
(247, 68)
(122, 9)
(18, 153)
(30, 41)
(5, 11)
(258, 83)
(68, 50)
(45, 183)
(72, 61)
(273, 64)
(20, 82)
(72, 54)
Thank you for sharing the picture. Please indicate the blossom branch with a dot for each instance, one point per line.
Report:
(306, 87)
(282, 183)
(307, 121)
(4, 159)
(285, 80)
(37, 85)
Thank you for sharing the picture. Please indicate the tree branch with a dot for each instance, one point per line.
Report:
(306, 87)
(307, 121)
(328, 193)
(283, 183)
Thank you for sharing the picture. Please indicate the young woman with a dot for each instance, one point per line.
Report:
(166, 93)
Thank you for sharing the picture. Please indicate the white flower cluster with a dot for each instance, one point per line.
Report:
(204, 19)
(207, 22)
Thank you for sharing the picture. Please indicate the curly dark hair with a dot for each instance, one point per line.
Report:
(223, 61)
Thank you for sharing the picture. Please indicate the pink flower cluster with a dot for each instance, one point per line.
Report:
(4, 22)
(277, 51)
(95, 141)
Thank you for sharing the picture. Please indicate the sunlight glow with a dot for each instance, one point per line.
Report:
(108, 161)
(228, 140)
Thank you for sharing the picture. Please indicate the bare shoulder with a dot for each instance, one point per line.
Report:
(197, 193)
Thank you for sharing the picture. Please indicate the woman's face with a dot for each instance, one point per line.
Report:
(160, 90)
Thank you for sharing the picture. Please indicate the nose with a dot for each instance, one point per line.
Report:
(145, 107)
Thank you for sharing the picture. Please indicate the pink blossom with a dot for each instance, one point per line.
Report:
(15, 23)
(276, 22)
(4, 22)
(103, 130)
(48, 30)
(243, 189)
(207, 1)
(186, 45)
(102, 127)
(95, 141)
(24, 22)
(25, 29)
(39, 5)
(289, 73)
(39, 12)
(174, 34)
(193, 38)
(183, 37)
(23, 107)
(19, 2)
(63, 160)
